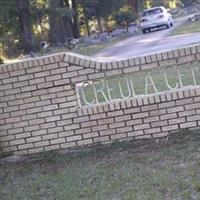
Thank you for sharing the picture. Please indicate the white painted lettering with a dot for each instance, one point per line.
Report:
(100, 91)
(132, 87)
(193, 75)
(150, 83)
(109, 90)
(180, 75)
(86, 102)
(128, 88)
(167, 83)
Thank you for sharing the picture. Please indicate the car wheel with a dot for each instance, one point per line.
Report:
(167, 26)
(171, 24)
(144, 31)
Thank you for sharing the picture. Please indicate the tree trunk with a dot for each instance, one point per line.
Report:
(99, 24)
(56, 32)
(136, 5)
(86, 23)
(68, 23)
(26, 32)
(76, 30)
(106, 25)
(87, 27)
(68, 28)
(60, 27)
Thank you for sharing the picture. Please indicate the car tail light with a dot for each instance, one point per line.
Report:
(160, 16)
(144, 20)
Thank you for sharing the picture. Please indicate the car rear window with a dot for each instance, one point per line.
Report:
(152, 12)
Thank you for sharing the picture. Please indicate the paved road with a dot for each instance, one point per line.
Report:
(149, 43)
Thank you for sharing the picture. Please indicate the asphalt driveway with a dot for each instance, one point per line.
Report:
(149, 43)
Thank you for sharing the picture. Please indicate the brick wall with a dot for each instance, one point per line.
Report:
(39, 109)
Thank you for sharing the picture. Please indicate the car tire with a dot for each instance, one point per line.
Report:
(168, 26)
(171, 24)
(144, 31)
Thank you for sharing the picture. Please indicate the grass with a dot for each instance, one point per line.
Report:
(181, 15)
(80, 49)
(186, 28)
(136, 170)
(90, 50)
(139, 82)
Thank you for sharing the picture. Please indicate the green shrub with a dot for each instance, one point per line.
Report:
(1, 60)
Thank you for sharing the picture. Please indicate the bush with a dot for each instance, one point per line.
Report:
(1, 60)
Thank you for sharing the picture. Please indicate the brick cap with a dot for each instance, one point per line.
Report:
(144, 99)
(105, 64)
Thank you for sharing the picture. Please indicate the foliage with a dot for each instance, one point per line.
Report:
(9, 29)
(1, 60)
(89, 7)
(100, 9)
(188, 2)
(159, 3)
(124, 18)
(138, 5)
(58, 20)
(60, 12)
(107, 8)
(7, 17)
(166, 3)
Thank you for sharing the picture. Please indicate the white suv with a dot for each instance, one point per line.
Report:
(155, 18)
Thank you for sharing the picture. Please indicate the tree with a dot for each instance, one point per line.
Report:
(67, 17)
(100, 9)
(166, 3)
(106, 8)
(89, 11)
(136, 5)
(23, 13)
(39, 18)
(124, 18)
(76, 30)
(188, 2)
(59, 21)
(9, 30)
